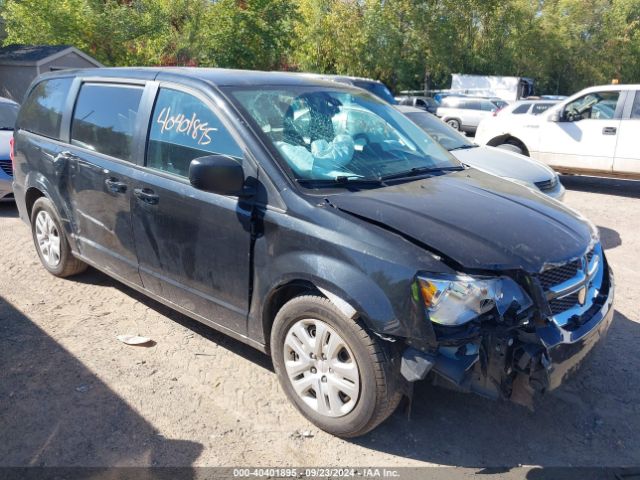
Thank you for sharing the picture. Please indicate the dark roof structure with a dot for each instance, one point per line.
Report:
(30, 53)
(17, 54)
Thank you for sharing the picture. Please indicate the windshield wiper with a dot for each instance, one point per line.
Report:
(6, 128)
(340, 181)
(417, 171)
(463, 147)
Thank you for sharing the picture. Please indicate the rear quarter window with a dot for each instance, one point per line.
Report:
(471, 105)
(635, 110)
(41, 112)
(521, 109)
(539, 108)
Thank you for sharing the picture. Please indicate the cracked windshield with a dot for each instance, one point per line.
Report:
(339, 136)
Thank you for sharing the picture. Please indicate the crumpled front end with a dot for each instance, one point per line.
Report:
(517, 353)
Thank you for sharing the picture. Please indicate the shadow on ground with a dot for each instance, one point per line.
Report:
(95, 277)
(607, 186)
(8, 210)
(610, 238)
(592, 420)
(83, 422)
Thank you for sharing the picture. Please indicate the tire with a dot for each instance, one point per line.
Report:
(511, 148)
(46, 230)
(344, 416)
(453, 123)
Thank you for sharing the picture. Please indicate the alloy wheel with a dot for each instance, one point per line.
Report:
(48, 238)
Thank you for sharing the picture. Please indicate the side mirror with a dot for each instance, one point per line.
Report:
(555, 117)
(217, 174)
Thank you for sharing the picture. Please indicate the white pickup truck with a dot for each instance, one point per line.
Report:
(596, 131)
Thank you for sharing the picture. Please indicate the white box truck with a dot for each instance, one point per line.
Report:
(509, 89)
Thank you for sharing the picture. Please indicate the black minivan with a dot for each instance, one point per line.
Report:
(315, 222)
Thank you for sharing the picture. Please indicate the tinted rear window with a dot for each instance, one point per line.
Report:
(105, 117)
(41, 112)
(521, 109)
(539, 108)
(635, 111)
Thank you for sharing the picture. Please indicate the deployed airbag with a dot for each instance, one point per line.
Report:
(325, 158)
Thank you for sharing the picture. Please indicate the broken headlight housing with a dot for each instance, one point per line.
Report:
(457, 299)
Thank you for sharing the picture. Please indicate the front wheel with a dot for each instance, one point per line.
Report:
(511, 148)
(330, 368)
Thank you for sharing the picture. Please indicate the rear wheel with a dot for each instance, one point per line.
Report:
(330, 368)
(453, 123)
(51, 242)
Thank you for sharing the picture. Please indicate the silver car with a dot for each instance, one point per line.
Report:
(8, 114)
(466, 113)
(500, 162)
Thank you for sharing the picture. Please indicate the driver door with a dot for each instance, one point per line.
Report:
(193, 246)
(585, 137)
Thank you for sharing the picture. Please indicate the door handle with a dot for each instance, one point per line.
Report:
(115, 186)
(146, 195)
(609, 130)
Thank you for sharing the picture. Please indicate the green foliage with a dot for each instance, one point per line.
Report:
(564, 44)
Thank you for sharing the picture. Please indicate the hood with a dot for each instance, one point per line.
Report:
(500, 162)
(477, 220)
(5, 138)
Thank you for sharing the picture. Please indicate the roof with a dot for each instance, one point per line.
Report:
(409, 109)
(18, 54)
(542, 101)
(338, 78)
(220, 77)
(610, 87)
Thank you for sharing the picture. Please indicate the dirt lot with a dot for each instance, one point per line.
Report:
(72, 394)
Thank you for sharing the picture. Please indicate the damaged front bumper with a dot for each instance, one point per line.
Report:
(515, 363)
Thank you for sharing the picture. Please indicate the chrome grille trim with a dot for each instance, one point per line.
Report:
(547, 184)
(572, 297)
(6, 167)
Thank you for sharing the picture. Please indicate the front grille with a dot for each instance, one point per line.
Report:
(557, 275)
(547, 184)
(567, 310)
(560, 305)
(5, 166)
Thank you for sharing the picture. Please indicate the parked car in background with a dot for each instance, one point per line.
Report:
(510, 115)
(315, 222)
(465, 113)
(376, 87)
(595, 132)
(425, 103)
(8, 114)
(509, 165)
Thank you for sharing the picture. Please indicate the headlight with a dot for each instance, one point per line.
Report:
(455, 300)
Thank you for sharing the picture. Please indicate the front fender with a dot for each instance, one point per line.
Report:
(378, 290)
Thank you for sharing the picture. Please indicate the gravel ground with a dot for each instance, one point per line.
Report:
(72, 394)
